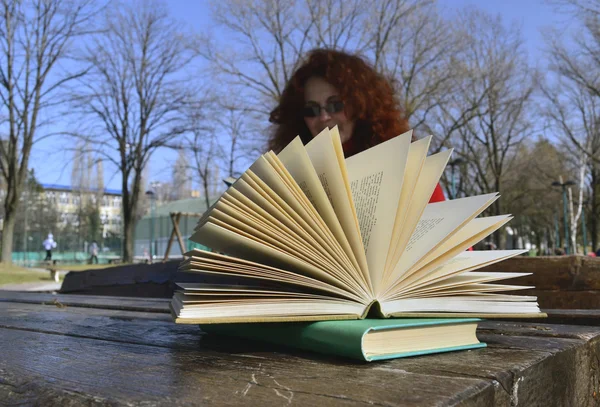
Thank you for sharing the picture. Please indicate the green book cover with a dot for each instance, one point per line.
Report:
(347, 338)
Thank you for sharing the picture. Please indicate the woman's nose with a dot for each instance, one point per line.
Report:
(324, 115)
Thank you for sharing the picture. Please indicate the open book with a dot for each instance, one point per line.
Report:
(308, 235)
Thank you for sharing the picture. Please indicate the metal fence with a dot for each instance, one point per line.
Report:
(36, 259)
(161, 231)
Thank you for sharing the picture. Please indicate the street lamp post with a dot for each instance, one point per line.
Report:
(453, 164)
(557, 231)
(564, 192)
(152, 197)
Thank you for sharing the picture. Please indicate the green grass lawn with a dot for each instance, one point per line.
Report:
(11, 274)
(82, 267)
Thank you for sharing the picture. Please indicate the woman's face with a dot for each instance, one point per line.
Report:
(318, 95)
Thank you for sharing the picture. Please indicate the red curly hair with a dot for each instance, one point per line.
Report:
(368, 98)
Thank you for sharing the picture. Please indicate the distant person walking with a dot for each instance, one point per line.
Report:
(94, 252)
(49, 244)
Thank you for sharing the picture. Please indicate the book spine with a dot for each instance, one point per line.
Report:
(373, 310)
(342, 342)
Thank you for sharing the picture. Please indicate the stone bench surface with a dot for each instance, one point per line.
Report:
(71, 350)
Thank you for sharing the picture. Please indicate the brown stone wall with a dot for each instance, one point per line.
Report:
(561, 282)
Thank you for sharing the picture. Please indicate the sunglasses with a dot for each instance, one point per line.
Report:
(315, 110)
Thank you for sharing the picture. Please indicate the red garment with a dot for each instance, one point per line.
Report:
(438, 194)
(348, 148)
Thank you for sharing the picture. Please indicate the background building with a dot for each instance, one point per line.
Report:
(69, 203)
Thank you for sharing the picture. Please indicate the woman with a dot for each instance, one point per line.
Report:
(335, 88)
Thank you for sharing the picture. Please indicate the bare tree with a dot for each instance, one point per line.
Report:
(269, 36)
(576, 68)
(134, 95)
(419, 57)
(532, 201)
(574, 115)
(35, 36)
(505, 84)
(575, 214)
(220, 138)
(205, 165)
(577, 7)
(202, 144)
(573, 105)
(337, 24)
(425, 56)
(272, 35)
(238, 137)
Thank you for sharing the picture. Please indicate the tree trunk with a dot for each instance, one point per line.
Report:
(501, 240)
(130, 202)
(7, 236)
(12, 204)
(206, 193)
(128, 241)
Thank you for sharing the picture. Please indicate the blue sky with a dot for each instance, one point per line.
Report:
(531, 15)
(51, 162)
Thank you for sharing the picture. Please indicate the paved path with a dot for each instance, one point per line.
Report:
(35, 286)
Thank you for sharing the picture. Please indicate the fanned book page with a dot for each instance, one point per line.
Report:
(307, 235)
